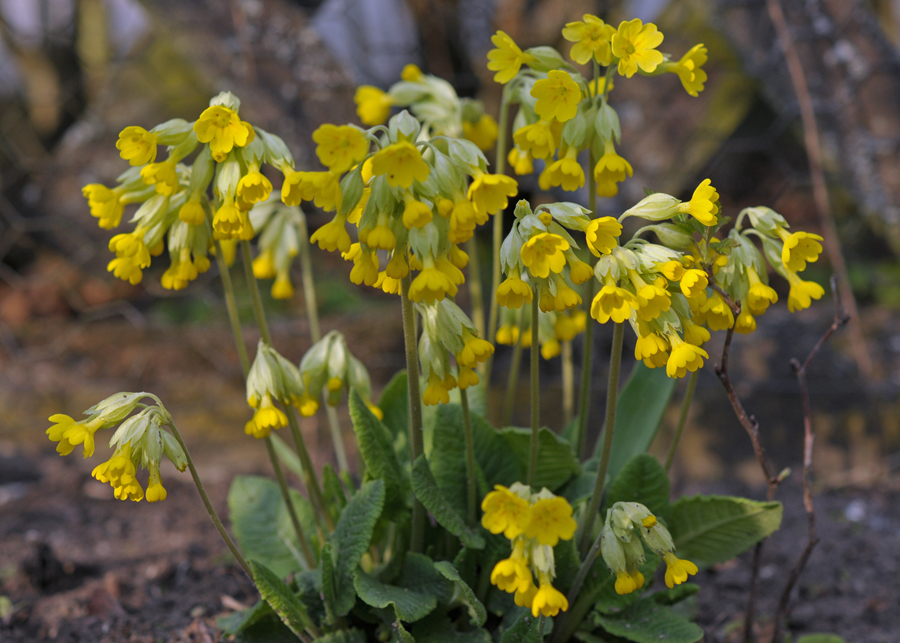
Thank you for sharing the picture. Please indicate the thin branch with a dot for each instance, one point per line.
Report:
(840, 319)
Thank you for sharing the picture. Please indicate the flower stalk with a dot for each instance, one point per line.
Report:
(588, 352)
(416, 441)
(682, 418)
(535, 392)
(471, 481)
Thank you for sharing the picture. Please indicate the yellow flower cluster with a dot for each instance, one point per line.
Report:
(623, 551)
(534, 523)
(139, 440)
(327, 369)
(554, 329)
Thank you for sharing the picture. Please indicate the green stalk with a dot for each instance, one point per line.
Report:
(498, 234)
(416, 441)
(568, 383)
(232, 547)
(588, 353)
(472, 483)
(476, 290)
(234, 320)
(259, 314)
(612, 395)
(535, 392)
(682, 419)
(512, 384)
(309, 471)
(315, 334)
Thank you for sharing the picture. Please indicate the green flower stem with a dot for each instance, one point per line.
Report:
(309, 471)
(232, 547)
(472, 483)
(580, 577)
(541, 625)
(568, 383)
(498, 233)
(512, 384)
(476, 289)
(315, 334)
(234, 319)
(535, 392)
(682, 418)
(416, 441)
(612, 395)
(588, 353)
(259, 314)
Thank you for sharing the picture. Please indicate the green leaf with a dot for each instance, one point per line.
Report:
(821, 638)
(676, 594)
(420, 575)
(495, 459)
(639, 411)
(394, 403)
(287, 455)
(428, 493)
(524, 630)
(280, 597)
(447, 458)
(646, 621)
(262, 525)
(240, 621)
(377, 452)
(326, 560)
(343, 636)
(268, 629)
(351, 540)
(335, 498)
(712, 529)
(410, 605)
(556, 459)
(642, 480)
(477, 613)
(438, 628)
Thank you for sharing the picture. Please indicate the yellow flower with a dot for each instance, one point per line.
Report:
(520, 161)
(397, 267)
(513, 292)
(508, 334)
(223, 129)
(192, 212)
(332, 236)
(489, 193)
(340, 147)
(266, 418)
(357, 212)
(431, 285)
(374, 410)
(505, 512)
(70, 433)
(402, 163)
(557, 96)
(538, 139)
(512, 575)
(694, 282)
(155, 490)
(550, 349)
(677, 570)
(483, 132)
(566, 172)
(568, 326)
(799, 247)
(685, 357)
(229, 221)
(436, 392)
(694, 334)
(652, 301)
(602, 235)
(610, 170)
(183, 270)
(634, 44)
(592, 40)
(416, 214)
(551, 521)
(802, 292)
(548, 601)
(745, 323)
(136, 145)
(467, 377)
(119, 472)
(365, 268)
(307, 405)
(104, 204)
(254, 187)
(506, 59)
(760, 295)
(717, 313)
(579, 271)
(411, 73)
(702, 205)
(689, 69)
(627, 582)
(264, 265)
(388, 284)
(282, 288)
(381, 238)
(373, 106)
(652, 349)
(162, 176)
(544, 252)
(526, 598)
(475, 351)
(127, 269)
(613, 303)
(565, 298)
(672, 270)
(323, 187)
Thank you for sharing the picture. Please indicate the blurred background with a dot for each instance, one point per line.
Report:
(73, 73)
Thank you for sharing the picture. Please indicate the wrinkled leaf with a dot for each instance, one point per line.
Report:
(279, 597)
(646, 621)
(428, 493)
(556, 459)
(477, 613)
(642, 480)
(410, 605)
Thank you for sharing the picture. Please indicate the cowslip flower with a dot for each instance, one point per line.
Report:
(602, 235)
(482, 132)
(513, 292)
(402, 163)
(802, 292)
(136, 145)
(505, 512)
(745, 323)
(538, 139)
(507, 58)
(266, 417)
(689, 69)
(489, 193)
(592, 40)
(324, 188)
(634, 44)
(373, 106)
(543, 253)
(557, 96)
(799, 248)
(693, 282)
(223, 129)
(610, 170)
(475, 350)
(69, 433)
(548, 601)
(104, 204)
(652, 301)
(702, 205)
(162, 176)
(684, 357)
(652, 349)
(119, 471)
(551, 521)
(340, 147)
(717, 313)
(613, 303)
(521, 162)
(759, 296)
(566, 172)
(677, 570)
(431, 285)
(332, 236)
(254, 187)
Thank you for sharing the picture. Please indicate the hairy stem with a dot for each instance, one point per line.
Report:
(568, 383)
(309, 472)
(535, 393)
(476, 289)
(512, 384)
(416, 441)
(682, 418)
(588, 353)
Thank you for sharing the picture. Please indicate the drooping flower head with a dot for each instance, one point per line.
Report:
(223, 129)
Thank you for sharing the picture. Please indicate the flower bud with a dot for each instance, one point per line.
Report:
(656, 207)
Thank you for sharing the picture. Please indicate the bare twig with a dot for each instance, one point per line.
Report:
(820, 189)
(840, 319)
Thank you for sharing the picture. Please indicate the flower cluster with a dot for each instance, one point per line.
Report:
(553, 329)
(562, 113)
(176, 208)
(328, 369)
(434, 102)
(140, 440)
(534, 523)
(623, 551)
(282, 230)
